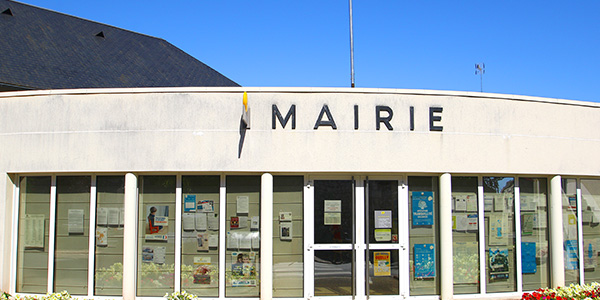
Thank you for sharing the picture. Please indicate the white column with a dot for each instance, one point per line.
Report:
(556, 232)
(266, 236)
(446, 266)
(130, 236)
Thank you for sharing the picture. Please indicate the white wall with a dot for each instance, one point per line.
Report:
(199, 130)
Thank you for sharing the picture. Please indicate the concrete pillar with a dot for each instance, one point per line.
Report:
(130, 236)
(446, 264)
(556, 233)
(266, 236)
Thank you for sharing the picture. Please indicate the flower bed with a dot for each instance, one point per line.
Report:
(574, 291)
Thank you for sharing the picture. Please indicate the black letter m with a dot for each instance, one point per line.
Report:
(291, 113)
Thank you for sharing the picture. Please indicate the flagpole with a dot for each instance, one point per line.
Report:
(351, 48)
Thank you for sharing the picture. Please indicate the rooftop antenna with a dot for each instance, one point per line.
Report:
(351, 48)
(480, 69)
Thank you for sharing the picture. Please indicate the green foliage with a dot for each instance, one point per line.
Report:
(180, 296)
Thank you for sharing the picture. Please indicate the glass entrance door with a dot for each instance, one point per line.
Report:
(355, 245)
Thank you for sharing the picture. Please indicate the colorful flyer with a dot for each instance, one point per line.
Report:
(571, 255)
(243, 269)
(499, 267)
(203, 243)
(205, 206)
(189, 203)
(157, 222)
(528, 260)
(422, 208)
(424, 260)
(381, 264)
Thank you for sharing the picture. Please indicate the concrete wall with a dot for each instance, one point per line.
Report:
(199, 130)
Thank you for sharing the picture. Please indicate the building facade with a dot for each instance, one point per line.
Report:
(301, 193)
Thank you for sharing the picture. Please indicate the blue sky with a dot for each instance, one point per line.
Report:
(536, 48)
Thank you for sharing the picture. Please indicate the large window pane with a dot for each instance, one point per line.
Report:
(383, 205)
(156, 250)
(333, 212)
(288, 228)
(500, 234)
(570, 244)
(34, 221)
(72, 234)
(200, 239)
(424, 235)
(465, 235)
(243, 239)
(333, 272)
(534, 233)
(110, 192)
(590, 206)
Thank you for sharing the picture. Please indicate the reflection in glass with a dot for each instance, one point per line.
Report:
(500, 234)
(108, 276)
(34, 216)
(534, 233)
(72, 234)
(333, 211)
(243, 240)
(288, 250)
(424, 235)
(590, 206)
(383, 272)
(570, 244)
(199, 262)
(333, 272)
(465, 235)
(156, 250)
(383, 199)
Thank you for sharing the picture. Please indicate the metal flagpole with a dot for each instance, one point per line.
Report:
(351, 48)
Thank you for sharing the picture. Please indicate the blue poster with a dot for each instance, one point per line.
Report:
(422, 208)
(528, 251)
(499, 264)
(424, 260)
(571, 257)
(189, 203)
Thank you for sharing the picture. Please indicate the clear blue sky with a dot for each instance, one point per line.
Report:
(536, 48)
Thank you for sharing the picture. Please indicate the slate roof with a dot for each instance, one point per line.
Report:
(43, 49)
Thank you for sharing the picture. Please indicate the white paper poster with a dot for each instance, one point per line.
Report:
(213, 241)
(255, 223)
(232, 240)
(242, 204)
(122, 216)
(383, 219)
(243, 222)
(255, 240)
(213, 221)
(188, 221)
(34, 231)
(246, 240)
(102, 216)
(201, 221)
(332, 206)
(113, 216)
(101, 236)
(75, 221)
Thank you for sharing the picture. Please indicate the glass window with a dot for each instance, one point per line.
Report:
(424, 235)
(499, 234)
(288, 228)
(243, 239)
(569, 204)
(72, 234)
(383, 229)
(156, 250)
(333, 224)
(200, 235)
(110, 198)
(590, 206)
(535, 263)
(465, 235)
(34, 222)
